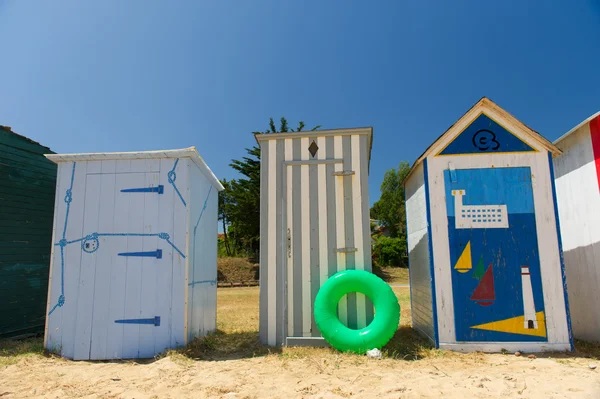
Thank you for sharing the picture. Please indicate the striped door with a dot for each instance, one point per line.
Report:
(321, 212)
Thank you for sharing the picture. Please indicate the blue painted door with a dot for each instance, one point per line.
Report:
(495, 269)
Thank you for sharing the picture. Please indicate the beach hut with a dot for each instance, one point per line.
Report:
(134, 254)
(314, 212)
(27, 184)
(577, 174)
(483, 237)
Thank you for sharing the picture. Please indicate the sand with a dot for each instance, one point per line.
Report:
(277, 376)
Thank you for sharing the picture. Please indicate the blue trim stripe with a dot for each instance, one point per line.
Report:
(155, 321)
(171, 177)
(63, 242)
(560, 250)
(430, 244)
(198, 221)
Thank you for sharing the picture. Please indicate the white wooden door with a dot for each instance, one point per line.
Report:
(121, 255)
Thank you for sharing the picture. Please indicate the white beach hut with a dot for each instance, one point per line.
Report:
(577, 174)
(133, 269)
(484, 240)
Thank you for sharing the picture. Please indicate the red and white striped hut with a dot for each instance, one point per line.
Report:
(577, 180)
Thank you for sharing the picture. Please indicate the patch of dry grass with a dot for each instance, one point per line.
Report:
(392, 275)
(11, 351)
(237, 333)
(236, 270)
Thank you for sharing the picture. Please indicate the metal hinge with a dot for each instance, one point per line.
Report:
(343, 173)
(155, 320)
(289, 243)
(150, 254)
(158, 189)
(452, 172)
(346, 250)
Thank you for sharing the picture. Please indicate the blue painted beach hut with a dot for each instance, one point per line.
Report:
(486, 271)
(134, 256)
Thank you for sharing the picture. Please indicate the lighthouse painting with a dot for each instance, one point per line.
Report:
(496, 279)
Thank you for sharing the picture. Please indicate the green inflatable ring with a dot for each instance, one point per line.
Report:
(375, 335)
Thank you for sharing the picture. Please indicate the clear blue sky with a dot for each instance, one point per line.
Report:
(114, 75)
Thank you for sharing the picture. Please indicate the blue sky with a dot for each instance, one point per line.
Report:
(113, 75)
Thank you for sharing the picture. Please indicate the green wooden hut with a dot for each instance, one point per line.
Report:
(27, 189)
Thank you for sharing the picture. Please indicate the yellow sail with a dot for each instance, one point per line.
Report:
(464, 262)
(515, 325)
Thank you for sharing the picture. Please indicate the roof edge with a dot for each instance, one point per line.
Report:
(190, 152)
(368, 130)
(484, 103)
(573, 130)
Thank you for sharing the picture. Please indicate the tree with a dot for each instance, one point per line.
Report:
(239, 203)
(389, 209)
(225, 202)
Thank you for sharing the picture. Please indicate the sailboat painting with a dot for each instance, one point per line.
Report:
(496, 279)
(484, 292)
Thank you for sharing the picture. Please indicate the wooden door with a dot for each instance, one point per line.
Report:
(496, 275)
(120, 255)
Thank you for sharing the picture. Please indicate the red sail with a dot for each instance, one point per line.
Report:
(484, 293)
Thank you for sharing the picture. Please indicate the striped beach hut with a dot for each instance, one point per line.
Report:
(314, 209)
(577, 173)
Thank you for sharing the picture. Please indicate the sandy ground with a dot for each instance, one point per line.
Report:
(278, 376)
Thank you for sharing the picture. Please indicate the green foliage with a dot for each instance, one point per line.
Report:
(239, 203)
(389, 209)
(388, 251)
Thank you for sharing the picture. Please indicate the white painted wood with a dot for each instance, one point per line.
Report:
(578, 198)
(104, 260)
(289, 254)
(133, 285)
(340, 224)
(322, 206)
(118, 276)
(179, 237)
(51, 329)
(305, 232)
(186, 153)
(497, 347)
(101, 286)
(72, 255)
(357, 219)
(419, 257)
(85, 300)
(272, 243)
(149, 294)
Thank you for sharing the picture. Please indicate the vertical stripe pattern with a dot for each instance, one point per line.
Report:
(595, 136)
(272, 236)
(314, 223)
(289, 256)
(340, 226)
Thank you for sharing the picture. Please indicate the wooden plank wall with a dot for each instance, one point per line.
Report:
(578, 196)
(418, 255)
(27, 187)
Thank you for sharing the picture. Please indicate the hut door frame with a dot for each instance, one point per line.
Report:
(287, 237)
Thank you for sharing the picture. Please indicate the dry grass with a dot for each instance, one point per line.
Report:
(237, 337)
(236, 270)
(11, 351)
(392, 275)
